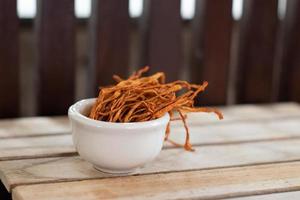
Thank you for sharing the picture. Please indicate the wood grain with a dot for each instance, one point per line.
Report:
(257, 41)
(45, 170)
(262, 111)
(237, 132)
(9, 59)
(161, 31)
(50, 145)
(236, 141)
(34, 126)
(35, 147)
(203, 184)
(211, 50)
(55, 31)
(274, 196)
(247, 113)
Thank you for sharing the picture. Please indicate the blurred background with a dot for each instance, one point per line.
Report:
(55, 52)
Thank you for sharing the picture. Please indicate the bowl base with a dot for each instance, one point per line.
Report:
(109, 171)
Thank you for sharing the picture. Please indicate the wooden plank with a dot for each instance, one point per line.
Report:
(211, 50)
(55, 30)
(45, 170)
(9, 59)
(35, 147)
(290, 71)
(247, 112)
(161, 29)
(263, 111)
(257, 41)
(274, 196)
(34, 126)
(109, 27)
(238, 132)
(228, 133)
(206, 184)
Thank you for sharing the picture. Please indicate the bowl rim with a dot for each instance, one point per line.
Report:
(74, 114)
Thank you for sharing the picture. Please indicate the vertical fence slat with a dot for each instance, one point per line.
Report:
(212, 27)
(9, 59)
(55, 30)
(257, 42)
(161, 37)
(109, 28)
(290, 71)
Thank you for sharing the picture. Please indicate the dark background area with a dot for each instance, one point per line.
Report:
(49, 62)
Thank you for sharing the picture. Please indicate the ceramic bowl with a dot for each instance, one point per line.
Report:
(115, 147)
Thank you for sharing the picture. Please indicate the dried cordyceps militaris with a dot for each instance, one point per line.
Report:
(139, 99)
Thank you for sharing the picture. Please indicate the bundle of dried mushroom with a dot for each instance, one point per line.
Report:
(139, 99)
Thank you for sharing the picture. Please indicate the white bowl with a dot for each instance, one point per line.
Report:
(115, 147)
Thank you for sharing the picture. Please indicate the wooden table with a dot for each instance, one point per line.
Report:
(254, 153)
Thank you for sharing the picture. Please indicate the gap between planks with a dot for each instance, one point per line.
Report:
(33, 171)
(201, 184)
